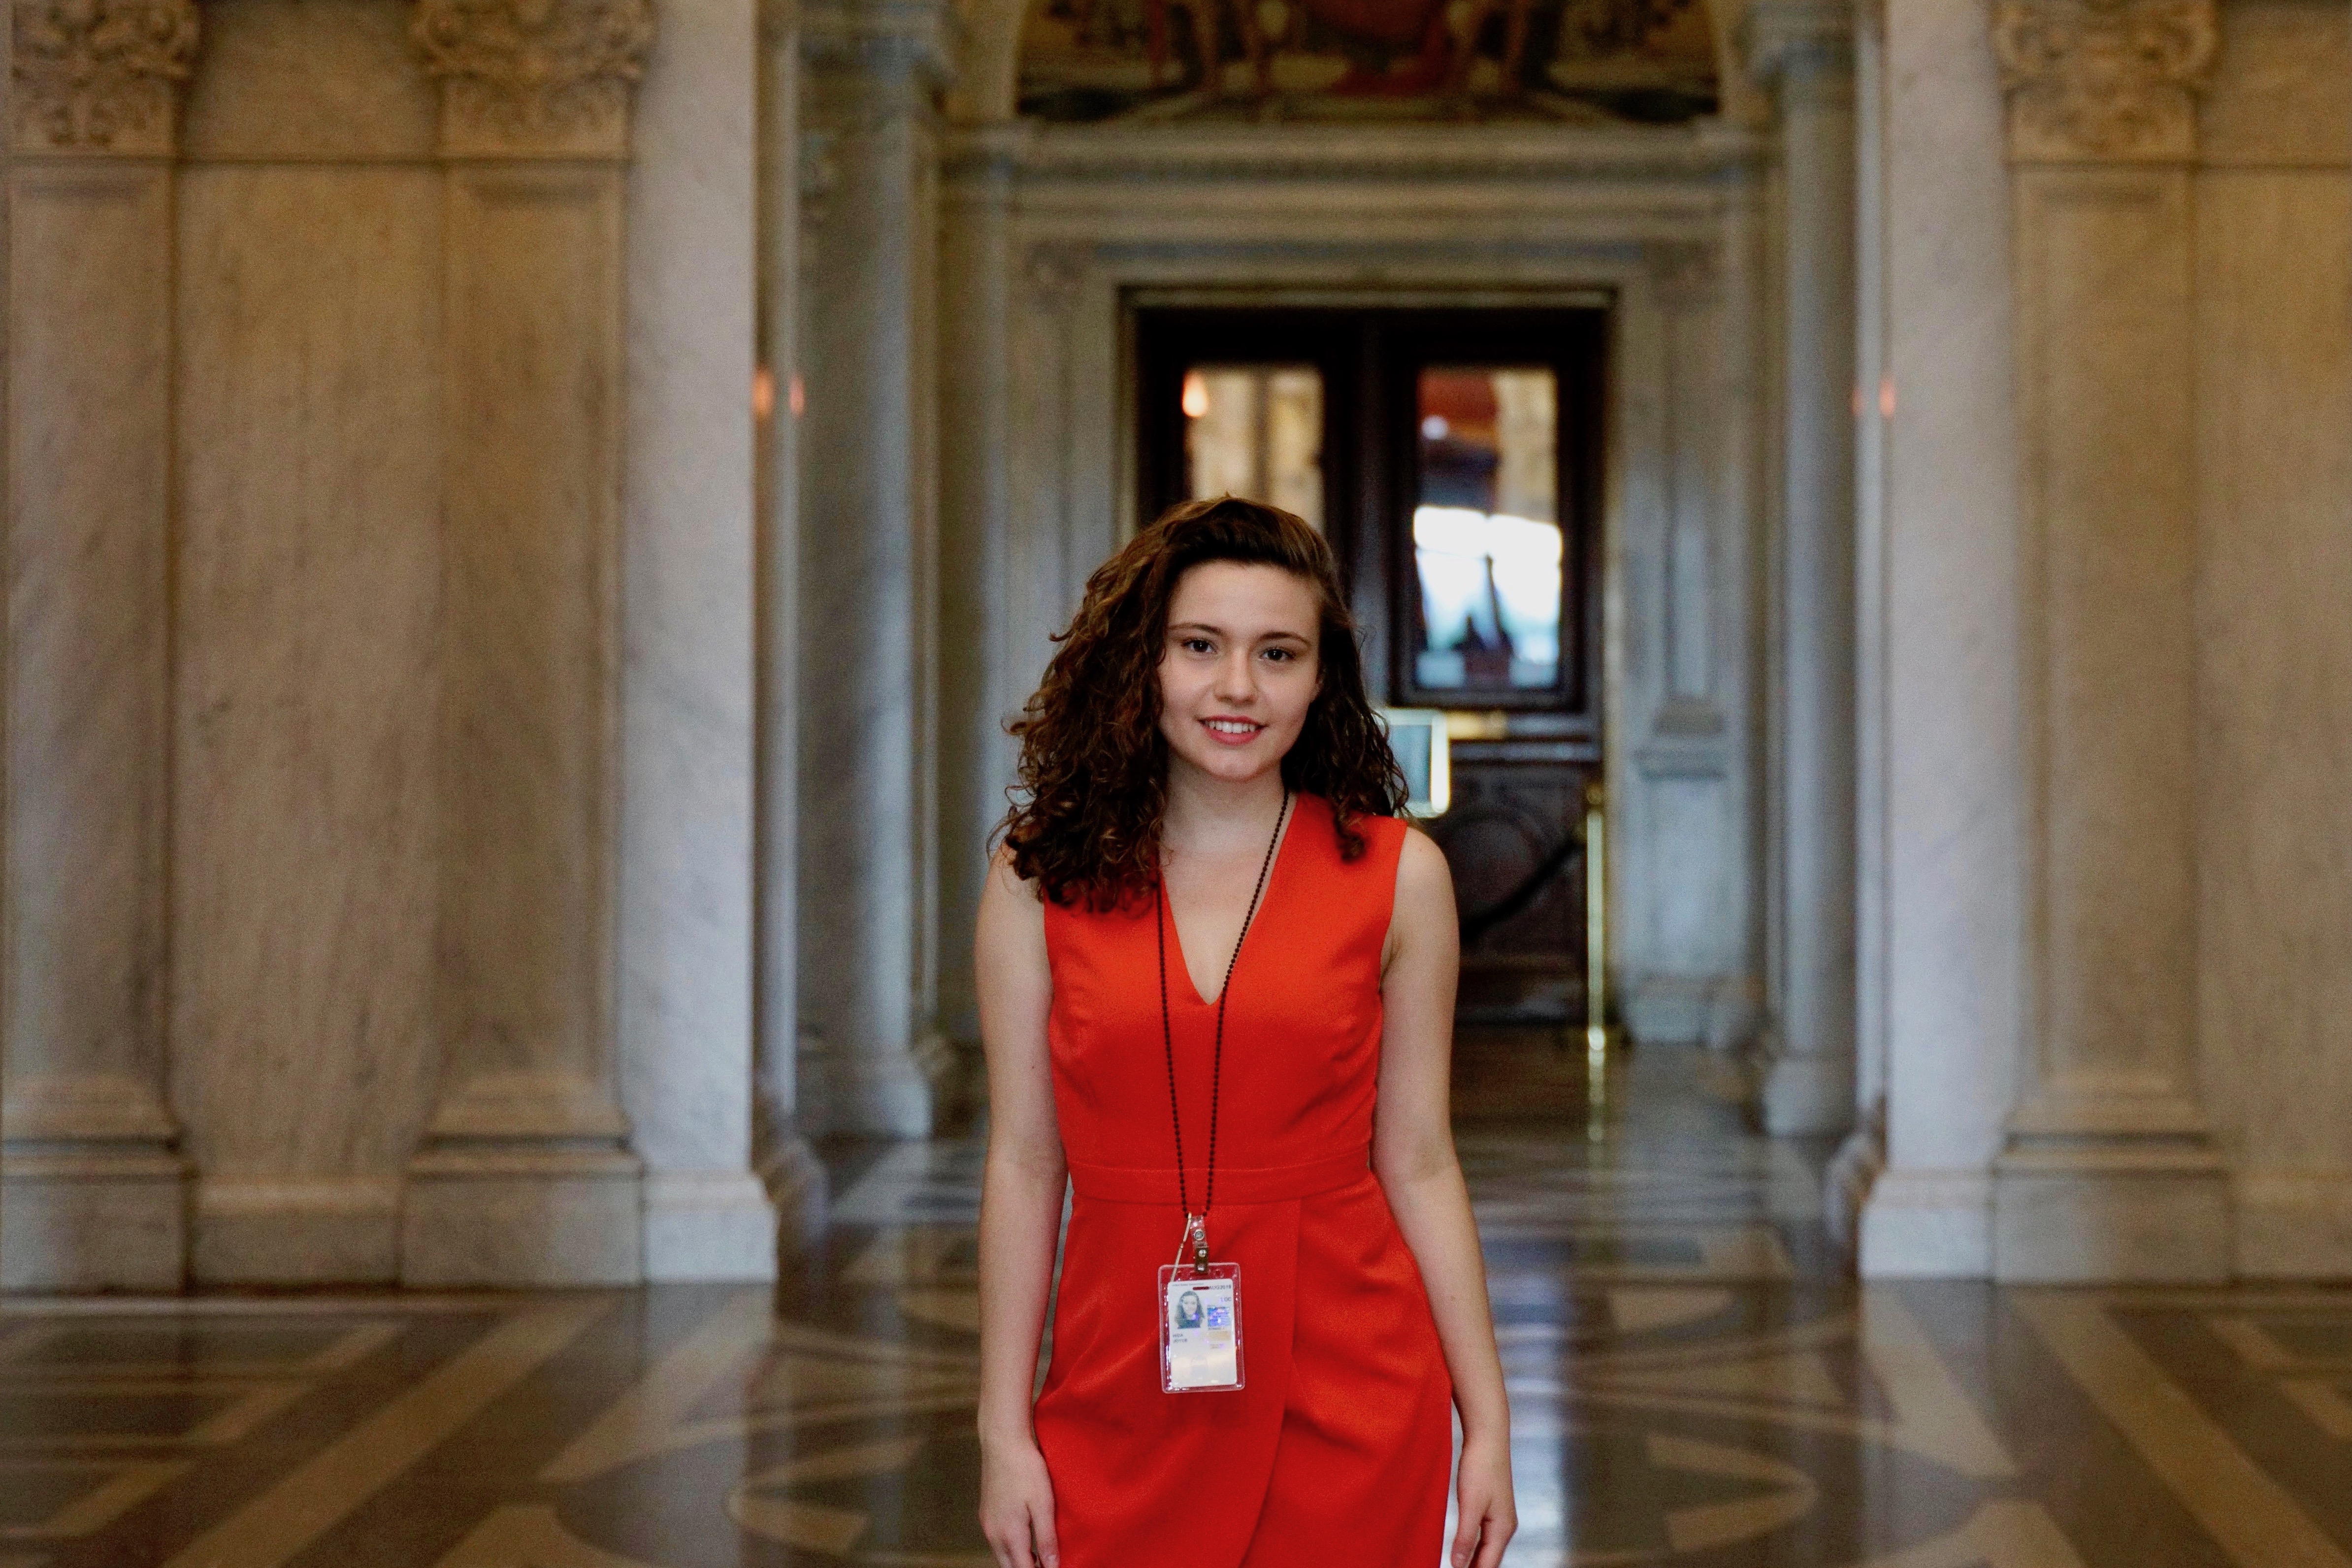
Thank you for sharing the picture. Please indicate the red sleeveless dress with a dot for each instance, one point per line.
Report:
(1338, 1448)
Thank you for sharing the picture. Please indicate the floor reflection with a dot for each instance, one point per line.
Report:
(1694, 1381)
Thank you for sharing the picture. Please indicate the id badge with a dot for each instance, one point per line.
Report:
(1200, 1327)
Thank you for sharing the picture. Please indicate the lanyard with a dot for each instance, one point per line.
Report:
(1196, 1226)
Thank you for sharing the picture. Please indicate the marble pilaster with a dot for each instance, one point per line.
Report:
(688, 696)
(977, 757)
(1949, 816)
(2110, 1171)
(869, 570)
(526, 1174)
(1802, 50)
(91, 1184)
(795, 1179)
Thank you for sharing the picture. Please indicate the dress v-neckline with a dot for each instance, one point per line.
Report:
(1176, 931)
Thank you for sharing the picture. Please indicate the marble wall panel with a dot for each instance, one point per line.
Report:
(309, 81)
(2104, 294)
(528, 595)
(90, 440)
(2275, 702)
(306, 589)
(687, 854)
(93, 1196)
(1692, 859)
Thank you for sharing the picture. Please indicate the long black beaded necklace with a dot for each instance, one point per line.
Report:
(1196, 1226)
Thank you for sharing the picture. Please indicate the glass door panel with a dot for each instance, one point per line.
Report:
(1256, 431)
(1487, 543)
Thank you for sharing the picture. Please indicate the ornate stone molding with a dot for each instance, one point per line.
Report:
(535, 78)
(1683, 273)
(1053, 274)
(2112, 81)
(101, 76)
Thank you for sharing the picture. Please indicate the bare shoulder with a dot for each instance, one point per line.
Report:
(1004, 878)
(1011, 913)
(1422, 917)
(1421, 872)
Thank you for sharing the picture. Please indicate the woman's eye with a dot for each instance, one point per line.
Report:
(1280, 655)
(1198, 645)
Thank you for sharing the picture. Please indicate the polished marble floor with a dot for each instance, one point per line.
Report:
(1695, 1381)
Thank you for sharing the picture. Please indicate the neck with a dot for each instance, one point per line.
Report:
(1210, 813)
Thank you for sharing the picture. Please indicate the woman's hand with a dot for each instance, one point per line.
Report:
(1016, 1505)
(1488, 1517)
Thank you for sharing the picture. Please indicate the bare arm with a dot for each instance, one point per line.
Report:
(1412, 1152)
(1020, 1215)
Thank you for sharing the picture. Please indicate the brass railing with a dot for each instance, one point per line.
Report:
(1596, 960)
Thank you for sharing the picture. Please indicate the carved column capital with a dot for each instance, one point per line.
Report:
(535, 78)
(2111, 80)
(1799, 45)
(912, 40)
(101, 76)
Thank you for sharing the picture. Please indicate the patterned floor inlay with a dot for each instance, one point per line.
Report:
(1694, 1381)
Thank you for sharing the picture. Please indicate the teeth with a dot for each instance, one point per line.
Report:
(1233, 727)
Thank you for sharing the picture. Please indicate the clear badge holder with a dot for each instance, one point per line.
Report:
(1199, 1308)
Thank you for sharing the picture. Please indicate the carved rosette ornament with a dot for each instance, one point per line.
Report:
(101, 76)
(2104, 80)
(545, 77)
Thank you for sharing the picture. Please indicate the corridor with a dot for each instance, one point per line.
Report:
(1695, 1380)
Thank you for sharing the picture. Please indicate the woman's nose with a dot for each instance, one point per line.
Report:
(1233, 678)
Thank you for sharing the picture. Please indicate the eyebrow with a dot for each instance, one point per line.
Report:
(1205, 626)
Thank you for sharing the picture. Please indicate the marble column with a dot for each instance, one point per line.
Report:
(1946, 846)
(525, 1175)
(93, 1185)
(1803, 51)
(689, 788)
(1863, 1153)
(2110, 1171)
(868, 933)
(795, 1179)
(975, 529)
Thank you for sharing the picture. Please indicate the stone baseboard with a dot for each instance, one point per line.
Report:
(1927, 1225)
(1668, 1009)
(2295, 1225)
(708, 1225)
(93, 1220)
(297, 1230)
(2095, 1216)
(519, 1218)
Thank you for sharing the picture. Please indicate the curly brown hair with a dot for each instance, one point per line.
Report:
(1084, 822)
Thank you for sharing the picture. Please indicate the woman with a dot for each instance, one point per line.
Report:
(1208, 932)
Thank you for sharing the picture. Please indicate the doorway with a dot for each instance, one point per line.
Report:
(1452, 456)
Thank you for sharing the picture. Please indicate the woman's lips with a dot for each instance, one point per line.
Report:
(1230, 732)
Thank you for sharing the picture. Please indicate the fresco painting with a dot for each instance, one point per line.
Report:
(1577, 62)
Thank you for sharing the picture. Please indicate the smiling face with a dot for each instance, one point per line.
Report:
(1239, 670)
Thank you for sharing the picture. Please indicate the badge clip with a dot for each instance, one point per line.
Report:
(1196, 1235)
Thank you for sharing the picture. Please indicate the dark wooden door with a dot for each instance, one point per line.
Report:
(1454, 459)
